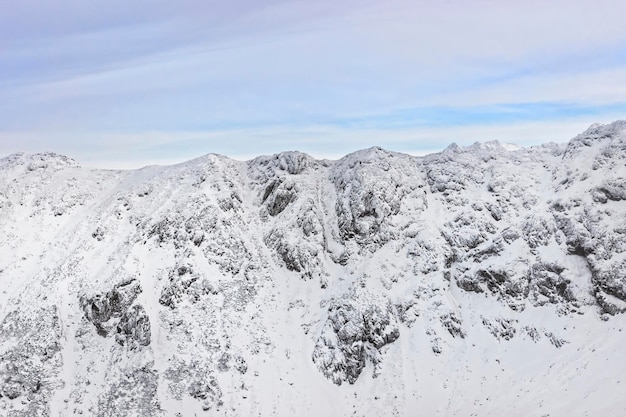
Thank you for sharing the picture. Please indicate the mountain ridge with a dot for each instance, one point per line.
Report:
(491, 144)
(456, 283)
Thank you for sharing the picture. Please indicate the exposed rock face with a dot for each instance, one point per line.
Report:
(133, 328)
(116, 305)
(500, 328)
(355, 332)
(184, 284)
(252, 288)
(371, 187)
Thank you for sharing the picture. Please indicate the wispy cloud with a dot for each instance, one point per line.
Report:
(320, 76)
(124, 150)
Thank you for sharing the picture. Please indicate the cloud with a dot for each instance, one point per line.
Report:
(155, 71)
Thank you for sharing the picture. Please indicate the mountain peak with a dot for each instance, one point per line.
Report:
(597, 134)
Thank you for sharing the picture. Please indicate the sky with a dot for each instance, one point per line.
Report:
(123, 84)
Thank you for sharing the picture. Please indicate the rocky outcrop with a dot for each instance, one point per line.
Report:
(133, 329)
(100, 308)
(372, 186)
(113, 312)
(500, 328)
(184, 284)
(355, 332)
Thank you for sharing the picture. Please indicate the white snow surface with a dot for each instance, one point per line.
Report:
(486, 280)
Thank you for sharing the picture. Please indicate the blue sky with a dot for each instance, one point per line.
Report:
(124, 84)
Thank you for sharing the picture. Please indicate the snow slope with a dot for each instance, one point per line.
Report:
(485, 280)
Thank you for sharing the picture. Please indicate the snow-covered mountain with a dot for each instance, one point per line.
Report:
(486, 280)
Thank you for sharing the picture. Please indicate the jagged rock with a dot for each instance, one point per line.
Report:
(297, 256)
(294, 163)
(278, 195)
(610, 291)
(500, 328)
(557, 342)
(429, 255)
(508, 284)
(133, 328)
(495, 248)
(548, 285)
(532, 332)
(467, 232)
(538, 230)
(372, 186)
(354, 334)
(182, 284)
(613, 189)
(50, 160)
(453, 325)
(102, 307)
(596, 133)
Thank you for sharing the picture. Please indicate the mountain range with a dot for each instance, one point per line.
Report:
(480, 280)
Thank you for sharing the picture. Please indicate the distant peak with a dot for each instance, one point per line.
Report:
(453, 148)
(597, 133)
(599, 129)
(495, 145)
(41, 160)
(369, 153)
(492, 145)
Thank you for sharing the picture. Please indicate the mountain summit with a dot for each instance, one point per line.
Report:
(482, 280)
